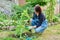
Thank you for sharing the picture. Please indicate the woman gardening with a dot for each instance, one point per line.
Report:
(38, 22)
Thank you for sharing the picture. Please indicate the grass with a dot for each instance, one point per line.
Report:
(51, 33)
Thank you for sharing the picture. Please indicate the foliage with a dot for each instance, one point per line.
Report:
(40, 2)
(50, 10)
(3, 19)
(8, 38)
(21, 23)
(17, 10)
(55, 19)
(59, 15)
(2, 16)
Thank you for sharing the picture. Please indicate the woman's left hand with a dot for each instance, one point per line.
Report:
(33, 27)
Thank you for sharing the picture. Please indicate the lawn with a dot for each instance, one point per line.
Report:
(51, 33)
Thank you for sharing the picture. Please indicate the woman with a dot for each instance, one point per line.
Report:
(38, 22)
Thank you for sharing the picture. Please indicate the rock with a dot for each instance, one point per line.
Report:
(4, 28)
(11, 28)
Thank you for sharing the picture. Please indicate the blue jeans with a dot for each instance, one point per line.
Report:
(41, 28)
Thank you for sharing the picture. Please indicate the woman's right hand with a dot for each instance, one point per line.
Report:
(30, 20)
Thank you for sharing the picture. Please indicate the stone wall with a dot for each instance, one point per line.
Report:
(6, 6)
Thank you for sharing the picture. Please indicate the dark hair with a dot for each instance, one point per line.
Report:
(38, 9)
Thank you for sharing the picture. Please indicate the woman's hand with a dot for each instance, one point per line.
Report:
(33, 27)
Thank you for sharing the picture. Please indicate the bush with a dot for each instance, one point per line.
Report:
(2, 16)
(40, 2)
(17, 10)
(55, 19)
(59, 15)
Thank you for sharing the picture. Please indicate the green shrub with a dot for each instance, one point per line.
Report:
(17, 10)
(40, 2)
(59, 15)
(21, 23)
(2, 16)
(55, 19)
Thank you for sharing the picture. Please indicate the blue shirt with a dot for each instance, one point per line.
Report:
(40, 18)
